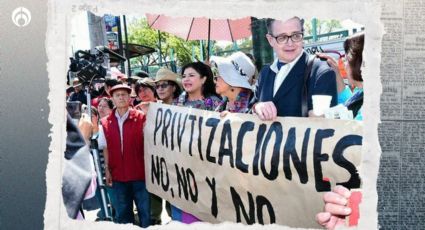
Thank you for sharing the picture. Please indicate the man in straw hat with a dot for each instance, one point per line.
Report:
(78, 94)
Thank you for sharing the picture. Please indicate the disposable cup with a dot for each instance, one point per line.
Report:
(320, 104)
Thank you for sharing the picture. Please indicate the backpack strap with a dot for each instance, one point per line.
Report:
(355, 103)
(304, 100)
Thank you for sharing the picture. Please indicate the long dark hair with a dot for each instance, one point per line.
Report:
(353, 47)
(205, 71)
(178, 90)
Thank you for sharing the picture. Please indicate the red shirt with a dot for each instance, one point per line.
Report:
(128, 164)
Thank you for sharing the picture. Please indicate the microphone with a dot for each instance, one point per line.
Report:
(104, 49)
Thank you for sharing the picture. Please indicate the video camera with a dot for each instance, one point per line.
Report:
(88, 67)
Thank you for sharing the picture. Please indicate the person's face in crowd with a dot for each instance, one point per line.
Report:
(103, 109)
(165, 90)
(221, 87)
(121, 98)
(77, 88)
(287, 50)
(146, 94)
(192, 81)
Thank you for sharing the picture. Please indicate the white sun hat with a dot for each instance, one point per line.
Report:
(236, 70)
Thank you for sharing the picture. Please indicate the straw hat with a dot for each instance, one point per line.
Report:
(165, 74)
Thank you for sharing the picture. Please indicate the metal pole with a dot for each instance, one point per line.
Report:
(172, 61)
(314, 29)
(160, 51)
(193, 53)
(95, 153)
(120, 45)
(235, 46)
(209, 42)
(201, 44)
(127, 55)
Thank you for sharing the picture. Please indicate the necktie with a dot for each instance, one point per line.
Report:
(279, 65)
(279, 77)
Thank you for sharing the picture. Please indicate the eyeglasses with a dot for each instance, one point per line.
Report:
(283, 39)
(163, 86)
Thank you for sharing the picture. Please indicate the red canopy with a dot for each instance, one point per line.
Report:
(191, 28)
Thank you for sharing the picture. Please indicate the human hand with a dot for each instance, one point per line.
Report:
(224, 113)
(143, 106)
(312, 114)
(108, 177)
(334, 65)
(266, 111)
(85, 125)
(335, 209)
(330, 60)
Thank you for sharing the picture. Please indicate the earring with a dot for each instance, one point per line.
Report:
(232, 89)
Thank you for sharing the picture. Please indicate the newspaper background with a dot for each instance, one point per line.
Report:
(401, 132)
(401, 180)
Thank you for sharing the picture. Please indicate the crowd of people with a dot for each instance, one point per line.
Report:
(225, 85)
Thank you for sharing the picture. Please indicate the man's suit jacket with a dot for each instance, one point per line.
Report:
(288, 98)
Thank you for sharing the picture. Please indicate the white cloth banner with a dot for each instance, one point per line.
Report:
(241, 169)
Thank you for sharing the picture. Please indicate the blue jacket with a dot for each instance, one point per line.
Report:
(288, 98)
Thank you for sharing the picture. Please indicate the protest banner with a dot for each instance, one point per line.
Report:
(240, 169)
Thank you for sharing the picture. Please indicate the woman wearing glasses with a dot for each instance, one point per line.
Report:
(168, 85)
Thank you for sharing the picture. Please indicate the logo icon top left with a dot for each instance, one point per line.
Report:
(21, 17)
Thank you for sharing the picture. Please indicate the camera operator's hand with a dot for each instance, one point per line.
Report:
(85, 125)
(108, 177)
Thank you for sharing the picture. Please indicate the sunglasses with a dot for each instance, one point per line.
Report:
(163, 86)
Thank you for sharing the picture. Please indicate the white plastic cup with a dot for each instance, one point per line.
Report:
(321, 103)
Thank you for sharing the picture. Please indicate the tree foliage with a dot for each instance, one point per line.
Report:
(140, 33)
(323, 26)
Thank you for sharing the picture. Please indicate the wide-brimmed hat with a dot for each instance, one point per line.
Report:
(236, 70)
(76, 82)
(120, 86)
(147, 81)
(134, 79)
(165, 74)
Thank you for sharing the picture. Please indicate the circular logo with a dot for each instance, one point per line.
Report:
(21, 16)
